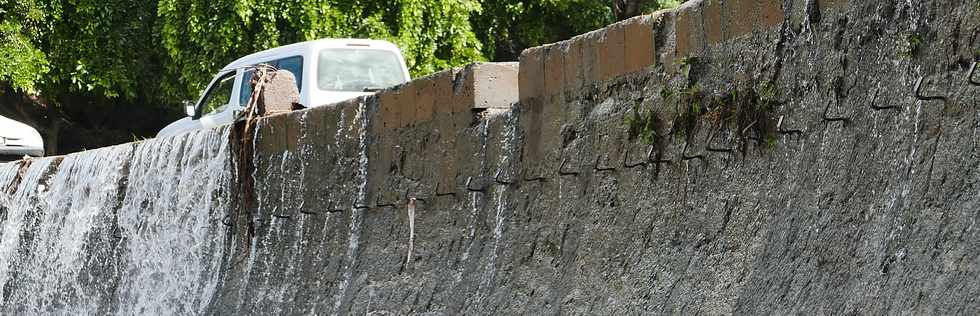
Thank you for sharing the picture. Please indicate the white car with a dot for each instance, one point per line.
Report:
(18, 140)
(327, 71)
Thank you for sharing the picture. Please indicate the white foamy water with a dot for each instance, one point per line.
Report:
(63, 217)
(131, 229)
(177, 195)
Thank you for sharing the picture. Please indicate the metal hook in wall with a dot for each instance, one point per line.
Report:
(438, 186)
(496, 178)
(686, 157)
(876, 107)
(626, 159)
(537, 178)
(390, 204)
(971, 75)
(826, 118)
(714, 149)
(920, 97)
(334, 208)
(781, 130)
(409, 196)
(227, 221)
(474, 185)
(561, 168)
(361, 207)
(596, 167)
(648, 160)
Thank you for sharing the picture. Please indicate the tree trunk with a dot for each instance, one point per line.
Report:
(51, 138)
(625, 9)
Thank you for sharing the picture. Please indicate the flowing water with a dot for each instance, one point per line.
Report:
(121, 230)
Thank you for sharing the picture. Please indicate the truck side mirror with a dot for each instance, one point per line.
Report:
(189, 108)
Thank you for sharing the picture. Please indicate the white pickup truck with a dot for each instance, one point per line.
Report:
(327, 71)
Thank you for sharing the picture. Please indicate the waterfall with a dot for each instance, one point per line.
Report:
(128, 229)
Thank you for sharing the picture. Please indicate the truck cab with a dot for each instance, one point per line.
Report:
(327, 71)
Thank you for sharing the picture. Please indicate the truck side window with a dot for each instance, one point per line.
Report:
(246, 90)
(295, 66)
(219, 95)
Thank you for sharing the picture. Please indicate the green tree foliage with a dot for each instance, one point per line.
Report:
(103, 48)
(111, 65)
(202, 36)
(22, 63)
(506, 27)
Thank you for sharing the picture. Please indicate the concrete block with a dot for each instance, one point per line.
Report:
(423, 143)
(406, 103)
(553, 115)
(712, 18)
(280, 93)
(311, 172)
(425, 98)
(412, 144)
(445, 130)
(772, 14)
(574, 69)
(442, 92)
(494, 85)
(450, 121)
(554, 70)
(502, 147)
(423, 159)
(690, 37)
(446, 171)
(347, 144)
(531, 74)
(295, 128)
(469, 156)
(389, 109)
(463, 93)
(319, 125)
(612, 52)
(532, 153)
(740, 17)
(444, 149)
(610, 146)
(271, 134)
(639, 48)
(665, 39)
(390, 190)
(591, 58)
(352, 113)
(380, 143)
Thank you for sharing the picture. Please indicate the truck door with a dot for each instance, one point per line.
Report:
(216, 108)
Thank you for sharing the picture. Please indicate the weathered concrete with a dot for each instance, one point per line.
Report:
(280, 94)
(775, 164)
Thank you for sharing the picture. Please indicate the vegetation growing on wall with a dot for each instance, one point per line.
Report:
(739, 117)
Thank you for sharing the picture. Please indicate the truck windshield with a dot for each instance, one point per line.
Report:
(347, 69)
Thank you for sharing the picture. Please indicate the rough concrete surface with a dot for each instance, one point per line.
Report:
(783, 163)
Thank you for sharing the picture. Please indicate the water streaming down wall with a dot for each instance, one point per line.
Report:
(130, 229)
(843, 208)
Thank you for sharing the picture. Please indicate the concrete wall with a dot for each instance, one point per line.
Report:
(724, 157)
